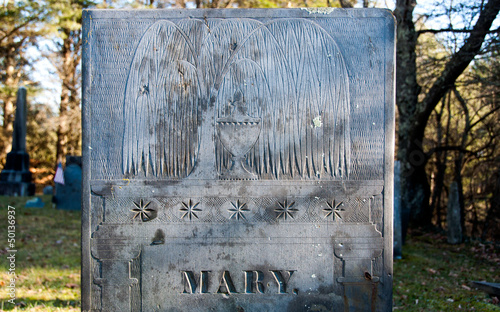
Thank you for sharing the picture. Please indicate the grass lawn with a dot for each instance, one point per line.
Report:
(47, 258)
(436, 276)
(432, 276)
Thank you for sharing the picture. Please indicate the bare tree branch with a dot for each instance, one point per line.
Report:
(485, 116)
(448, 148)
(460, 60)
(345, 4)
(452, 30)
(15, 29)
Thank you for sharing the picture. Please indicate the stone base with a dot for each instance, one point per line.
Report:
(17, 189)
(17, 161)
(15, 178)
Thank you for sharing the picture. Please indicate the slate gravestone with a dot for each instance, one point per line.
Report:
(238, 160)
(69, 195)
(15, 179)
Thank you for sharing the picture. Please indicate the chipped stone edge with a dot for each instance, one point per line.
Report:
(324, 11)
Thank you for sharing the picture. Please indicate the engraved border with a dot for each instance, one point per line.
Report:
(389, 114)
(86, 270)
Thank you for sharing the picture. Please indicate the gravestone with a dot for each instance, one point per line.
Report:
(238, 160)
(69, 195)
(453, 218)
(15, 179)
(492, 289)
(48, 190)
(34, 203)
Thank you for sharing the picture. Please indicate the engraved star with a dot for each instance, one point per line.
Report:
(334, 210)
(190, 210)
(285, 210)
(238, 210)
(142, 210)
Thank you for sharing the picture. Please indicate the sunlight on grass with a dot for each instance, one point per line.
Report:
(44, 288)
(47, 260)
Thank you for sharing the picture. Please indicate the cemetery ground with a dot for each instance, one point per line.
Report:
(432, 276)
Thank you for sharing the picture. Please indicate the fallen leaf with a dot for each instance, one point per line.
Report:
(465, 287)
(453, 274)
(432, 271)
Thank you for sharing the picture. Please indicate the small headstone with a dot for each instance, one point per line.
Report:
(15, 179)
(238, 160)
(453, 216)
(34, 203)
(492, 289)
(69, 195)
(398, 238)
(48, 190)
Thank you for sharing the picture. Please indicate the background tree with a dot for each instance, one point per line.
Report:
(415, 106)
(41, 140)
(245, 3)
(66, 20)
(19, 30)
(472, 144)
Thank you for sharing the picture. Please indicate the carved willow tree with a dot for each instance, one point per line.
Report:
(415, 108)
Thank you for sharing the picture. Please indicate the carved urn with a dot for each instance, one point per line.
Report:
(238, 133)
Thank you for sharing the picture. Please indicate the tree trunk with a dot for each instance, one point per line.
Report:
(491, 225)
(413, 115)
(63, 126)
(69, 128)
(440, 164)
(11, 84)
(345, 4)
(415, 187)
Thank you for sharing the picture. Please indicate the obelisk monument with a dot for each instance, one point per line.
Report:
(15, 179)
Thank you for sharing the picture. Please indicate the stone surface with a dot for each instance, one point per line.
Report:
(48, 190)
(238, 160)
(492, 289)
(69, 195)
(15, 178)
(398, 237)
(34, 203)
(453, 216)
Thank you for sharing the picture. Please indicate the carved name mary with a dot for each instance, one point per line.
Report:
(238, 160)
